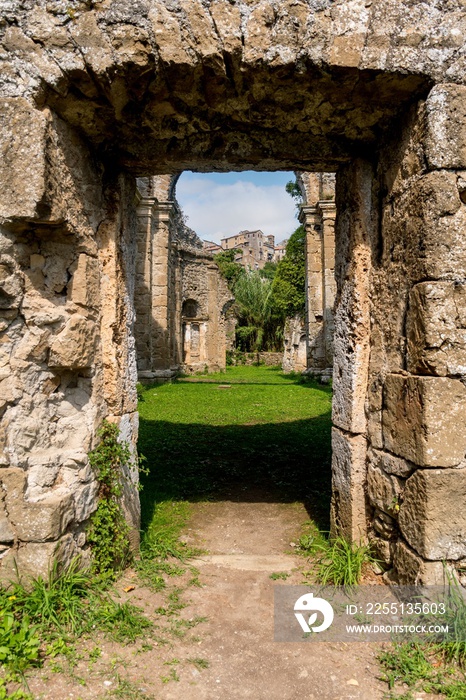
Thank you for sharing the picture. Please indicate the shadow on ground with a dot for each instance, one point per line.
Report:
(271, 462)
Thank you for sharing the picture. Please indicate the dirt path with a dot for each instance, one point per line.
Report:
(237, 597)
(220, 646)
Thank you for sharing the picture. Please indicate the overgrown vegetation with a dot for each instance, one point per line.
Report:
(434, 664)
(108, 532)
(43, 618)
(335, 561)
(288, 289)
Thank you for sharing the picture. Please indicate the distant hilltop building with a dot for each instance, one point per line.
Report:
(254, 248)
(280, 251)
(211, 247)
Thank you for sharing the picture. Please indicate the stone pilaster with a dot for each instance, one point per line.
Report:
(327, 211)
(311, 220)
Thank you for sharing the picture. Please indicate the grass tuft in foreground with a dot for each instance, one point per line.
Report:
(336, 562)
(436, 665)
(45, 617)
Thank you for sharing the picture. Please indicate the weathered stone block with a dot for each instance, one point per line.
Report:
(348, 510)
(13, 482)
(432, 516)
(384, 524)
(7, 533)
(411, 569)
(390, 463)
(74, 346)
(445, 142)
(83, 287)
(383, 549)
(426, 233)
(383, 489)
(40, 478)
(35, 521)
(35, 560)
(10, 391)
(85, 500)
(11, 283)
(33, 345)
(436, 328)
(424, 418)
(43, 520)
(73, 433)
(22, 159)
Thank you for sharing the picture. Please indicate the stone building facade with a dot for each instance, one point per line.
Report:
(180, 297)
(254, 249)
(120, 90)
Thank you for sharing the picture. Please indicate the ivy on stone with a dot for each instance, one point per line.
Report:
(108, 531)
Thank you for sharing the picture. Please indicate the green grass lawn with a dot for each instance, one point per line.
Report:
(267, 434)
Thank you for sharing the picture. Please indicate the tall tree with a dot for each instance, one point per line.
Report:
(288, 289)
(253, 294)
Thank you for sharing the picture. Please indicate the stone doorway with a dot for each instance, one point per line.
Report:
(122, 90)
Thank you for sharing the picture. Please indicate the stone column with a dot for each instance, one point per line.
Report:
(156, 300)
(327, 211)
(311, 220)
(143, 297)
(176, 305)
(160, 331)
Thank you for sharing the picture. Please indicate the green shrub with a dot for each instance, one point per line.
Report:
(6, 694)
(453, 649)
(57, 601)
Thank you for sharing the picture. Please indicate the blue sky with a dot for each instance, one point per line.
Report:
(221, 204)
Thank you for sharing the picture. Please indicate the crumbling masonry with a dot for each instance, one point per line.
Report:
(92, 99)
(181, 299)
(309, 338)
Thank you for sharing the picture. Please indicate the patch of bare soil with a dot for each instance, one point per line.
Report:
(220, 646)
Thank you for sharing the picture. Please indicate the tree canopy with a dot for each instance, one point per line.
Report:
(288, 289)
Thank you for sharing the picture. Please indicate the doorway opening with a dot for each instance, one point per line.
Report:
(252, 433)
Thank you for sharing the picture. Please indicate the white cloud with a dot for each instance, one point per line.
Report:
(216, 210)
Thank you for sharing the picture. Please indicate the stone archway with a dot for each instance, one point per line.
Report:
(123, 89)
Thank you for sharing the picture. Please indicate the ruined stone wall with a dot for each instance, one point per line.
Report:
(400, 404)
(66, 288)
(203, 284)
(172, 271)
(295, 358)
(269, 359)
(93, 97)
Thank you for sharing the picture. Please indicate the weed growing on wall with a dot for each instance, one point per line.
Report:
(108, 532)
